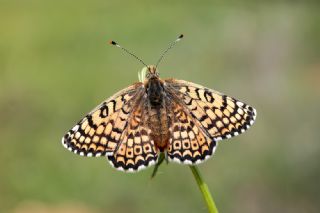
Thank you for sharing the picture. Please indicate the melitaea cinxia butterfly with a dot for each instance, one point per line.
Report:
(176, 117)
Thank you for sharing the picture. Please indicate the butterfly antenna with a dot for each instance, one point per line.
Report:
(170, 46)
(127, 51)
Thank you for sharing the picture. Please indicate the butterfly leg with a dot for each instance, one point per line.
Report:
(166, 157)
(163, 156)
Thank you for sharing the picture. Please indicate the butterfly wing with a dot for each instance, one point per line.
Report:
(212, 116)
(111, 129)
(137, 149)
(188, 142)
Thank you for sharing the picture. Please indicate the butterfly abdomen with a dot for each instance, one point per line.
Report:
(158, 119)
(158, 122)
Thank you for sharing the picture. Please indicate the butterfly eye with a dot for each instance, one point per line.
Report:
(148, 75)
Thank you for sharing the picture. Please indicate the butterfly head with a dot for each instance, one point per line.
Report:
(152, 72)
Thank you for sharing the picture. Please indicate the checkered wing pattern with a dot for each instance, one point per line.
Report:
(188, 143)
(115, 129)
(203, 117)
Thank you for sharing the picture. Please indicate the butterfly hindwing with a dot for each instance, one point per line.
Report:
(188, 143)
(137, 150)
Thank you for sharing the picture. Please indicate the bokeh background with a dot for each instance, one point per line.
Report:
(55, 66)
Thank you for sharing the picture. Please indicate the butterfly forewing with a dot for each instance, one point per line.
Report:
(220, 116)
(99, 132)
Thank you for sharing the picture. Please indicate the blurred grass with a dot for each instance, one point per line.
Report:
(55, 66)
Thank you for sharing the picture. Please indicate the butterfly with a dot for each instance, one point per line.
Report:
(184, 120)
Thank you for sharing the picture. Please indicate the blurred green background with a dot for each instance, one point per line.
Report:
(55, 66)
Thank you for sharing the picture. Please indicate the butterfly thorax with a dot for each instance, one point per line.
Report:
(155, 92)
(158, 119)
(154, 87)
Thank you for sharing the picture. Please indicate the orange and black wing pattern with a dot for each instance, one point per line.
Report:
(202, 118)
(114, 129)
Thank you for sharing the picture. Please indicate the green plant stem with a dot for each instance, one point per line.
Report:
(204, 190)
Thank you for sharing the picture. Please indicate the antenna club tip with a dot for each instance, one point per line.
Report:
(112, 42)
(181, 36)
